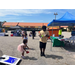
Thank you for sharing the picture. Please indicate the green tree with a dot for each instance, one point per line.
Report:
(4, 21)
(70, 28)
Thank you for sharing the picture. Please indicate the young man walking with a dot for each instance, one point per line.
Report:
(43, 40)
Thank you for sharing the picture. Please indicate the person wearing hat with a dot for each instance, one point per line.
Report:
(43, 40)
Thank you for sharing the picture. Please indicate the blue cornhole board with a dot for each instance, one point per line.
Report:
(9, 60)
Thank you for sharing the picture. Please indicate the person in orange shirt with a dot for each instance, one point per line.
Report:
(3, 30)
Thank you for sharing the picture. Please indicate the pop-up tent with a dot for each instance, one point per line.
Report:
(66, 20)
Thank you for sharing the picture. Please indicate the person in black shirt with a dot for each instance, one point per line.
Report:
(33, 34)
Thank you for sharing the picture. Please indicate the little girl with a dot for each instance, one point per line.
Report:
(22, 47)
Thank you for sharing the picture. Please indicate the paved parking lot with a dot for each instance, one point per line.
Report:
(54, 55)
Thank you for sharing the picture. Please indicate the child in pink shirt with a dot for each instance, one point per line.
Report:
(22, 47)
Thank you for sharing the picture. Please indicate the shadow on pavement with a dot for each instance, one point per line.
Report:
(53, 56)
(70, 48)
(32, 49)
(30, 58)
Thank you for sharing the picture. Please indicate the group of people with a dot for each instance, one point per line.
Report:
(43, 34)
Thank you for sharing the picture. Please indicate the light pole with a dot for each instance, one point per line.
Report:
(55, 15)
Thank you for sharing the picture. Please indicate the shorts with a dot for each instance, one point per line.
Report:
(42, 45)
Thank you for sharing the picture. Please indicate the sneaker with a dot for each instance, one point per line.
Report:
(23, 57)
(43, 54)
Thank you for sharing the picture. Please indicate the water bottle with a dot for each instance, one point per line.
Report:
(53, 35)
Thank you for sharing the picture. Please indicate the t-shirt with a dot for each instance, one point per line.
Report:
(44, 38)
(60, 32)
(22, 44)
(26, 37)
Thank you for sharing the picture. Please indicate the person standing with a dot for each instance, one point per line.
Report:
(73, 32)
(33, 33)
(72, 36)
(60, 32)
(43, 40)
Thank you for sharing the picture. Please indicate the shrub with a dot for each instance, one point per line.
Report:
(70, 28)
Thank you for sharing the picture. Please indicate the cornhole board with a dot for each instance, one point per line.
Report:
(9, 60)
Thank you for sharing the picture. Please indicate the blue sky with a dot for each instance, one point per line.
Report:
(32, 15)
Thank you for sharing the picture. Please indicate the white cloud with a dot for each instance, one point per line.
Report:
(21, 21)
(4, 12)
(41, 20)
(30, 12)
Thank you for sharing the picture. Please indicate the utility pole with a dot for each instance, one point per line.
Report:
(55, 15)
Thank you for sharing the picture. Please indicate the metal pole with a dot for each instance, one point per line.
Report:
(55, 15)
(52, 29)
(52, 35)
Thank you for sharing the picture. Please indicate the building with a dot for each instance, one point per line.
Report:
(24, 24)
(9, 24)
(28, 25)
